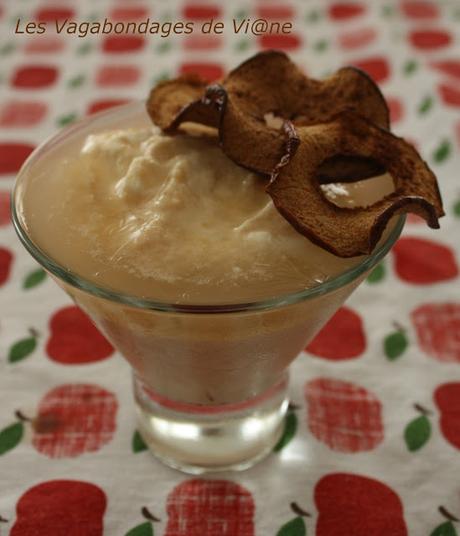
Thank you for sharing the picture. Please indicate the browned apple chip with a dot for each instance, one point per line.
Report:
(271, 118)
(348, 232)
(169, 97)
(268, 87)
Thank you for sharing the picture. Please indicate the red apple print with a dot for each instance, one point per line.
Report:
(211, 508)
(6, 260)
(438, 330)
(52, 13)
(345, 10)
(99, 105)
(447, 67)
(354, 505)
(34, 77)
(357, 38)
(275, 12)
(202, 42)
(74, 339)
(5, 214)
(346, 417)
(74, 419)
(450, 94)
(44, 44)
(430, 39)
(208, 71)
(201, 11)
(61, 508)
(114, 44)
(396, 109)
(341, 338)
(280, 41)
(117, 75)
(419, 9)
(17, 113)
(447, 399)
(129, 13)
(12, 156)
(422, 262)
(377, 68)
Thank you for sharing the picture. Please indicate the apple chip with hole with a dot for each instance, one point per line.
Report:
(248, 107)
(348, 232)
(269, 117)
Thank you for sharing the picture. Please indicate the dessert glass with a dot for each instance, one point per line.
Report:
(210, 381)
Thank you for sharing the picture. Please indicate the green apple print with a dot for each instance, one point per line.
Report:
(76, 81)
(446, 528)
(425, 105)
(377, 275)
(137, 443)
(418, 431)
(395, 343)
(456, 208)
(34, 278)
(295, 526)
(410, 67)
(146, 527)
(442, 151)
(290, 428)
(11, 436)
(66, 119)
(23, 347)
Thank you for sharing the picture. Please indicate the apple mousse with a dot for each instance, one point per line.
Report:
(174, 219)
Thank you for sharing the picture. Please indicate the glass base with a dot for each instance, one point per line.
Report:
(200, 439)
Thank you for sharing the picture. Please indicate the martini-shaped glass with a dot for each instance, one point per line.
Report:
(210, 381)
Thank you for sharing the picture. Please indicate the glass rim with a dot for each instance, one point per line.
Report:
(67, 276)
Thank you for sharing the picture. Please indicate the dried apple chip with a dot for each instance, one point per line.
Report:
(169, 97)
(265, 87)
(272, 119)
(348, 232)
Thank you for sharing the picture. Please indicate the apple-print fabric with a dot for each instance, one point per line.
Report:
(372, 437)
(73, 419)
(197, 507)
(81, 507)
(344, 416)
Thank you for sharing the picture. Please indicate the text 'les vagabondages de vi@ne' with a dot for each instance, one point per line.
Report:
(244, 26)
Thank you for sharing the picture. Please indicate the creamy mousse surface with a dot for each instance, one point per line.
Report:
(174, 219)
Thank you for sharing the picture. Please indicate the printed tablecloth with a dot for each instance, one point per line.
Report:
(371, 446)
